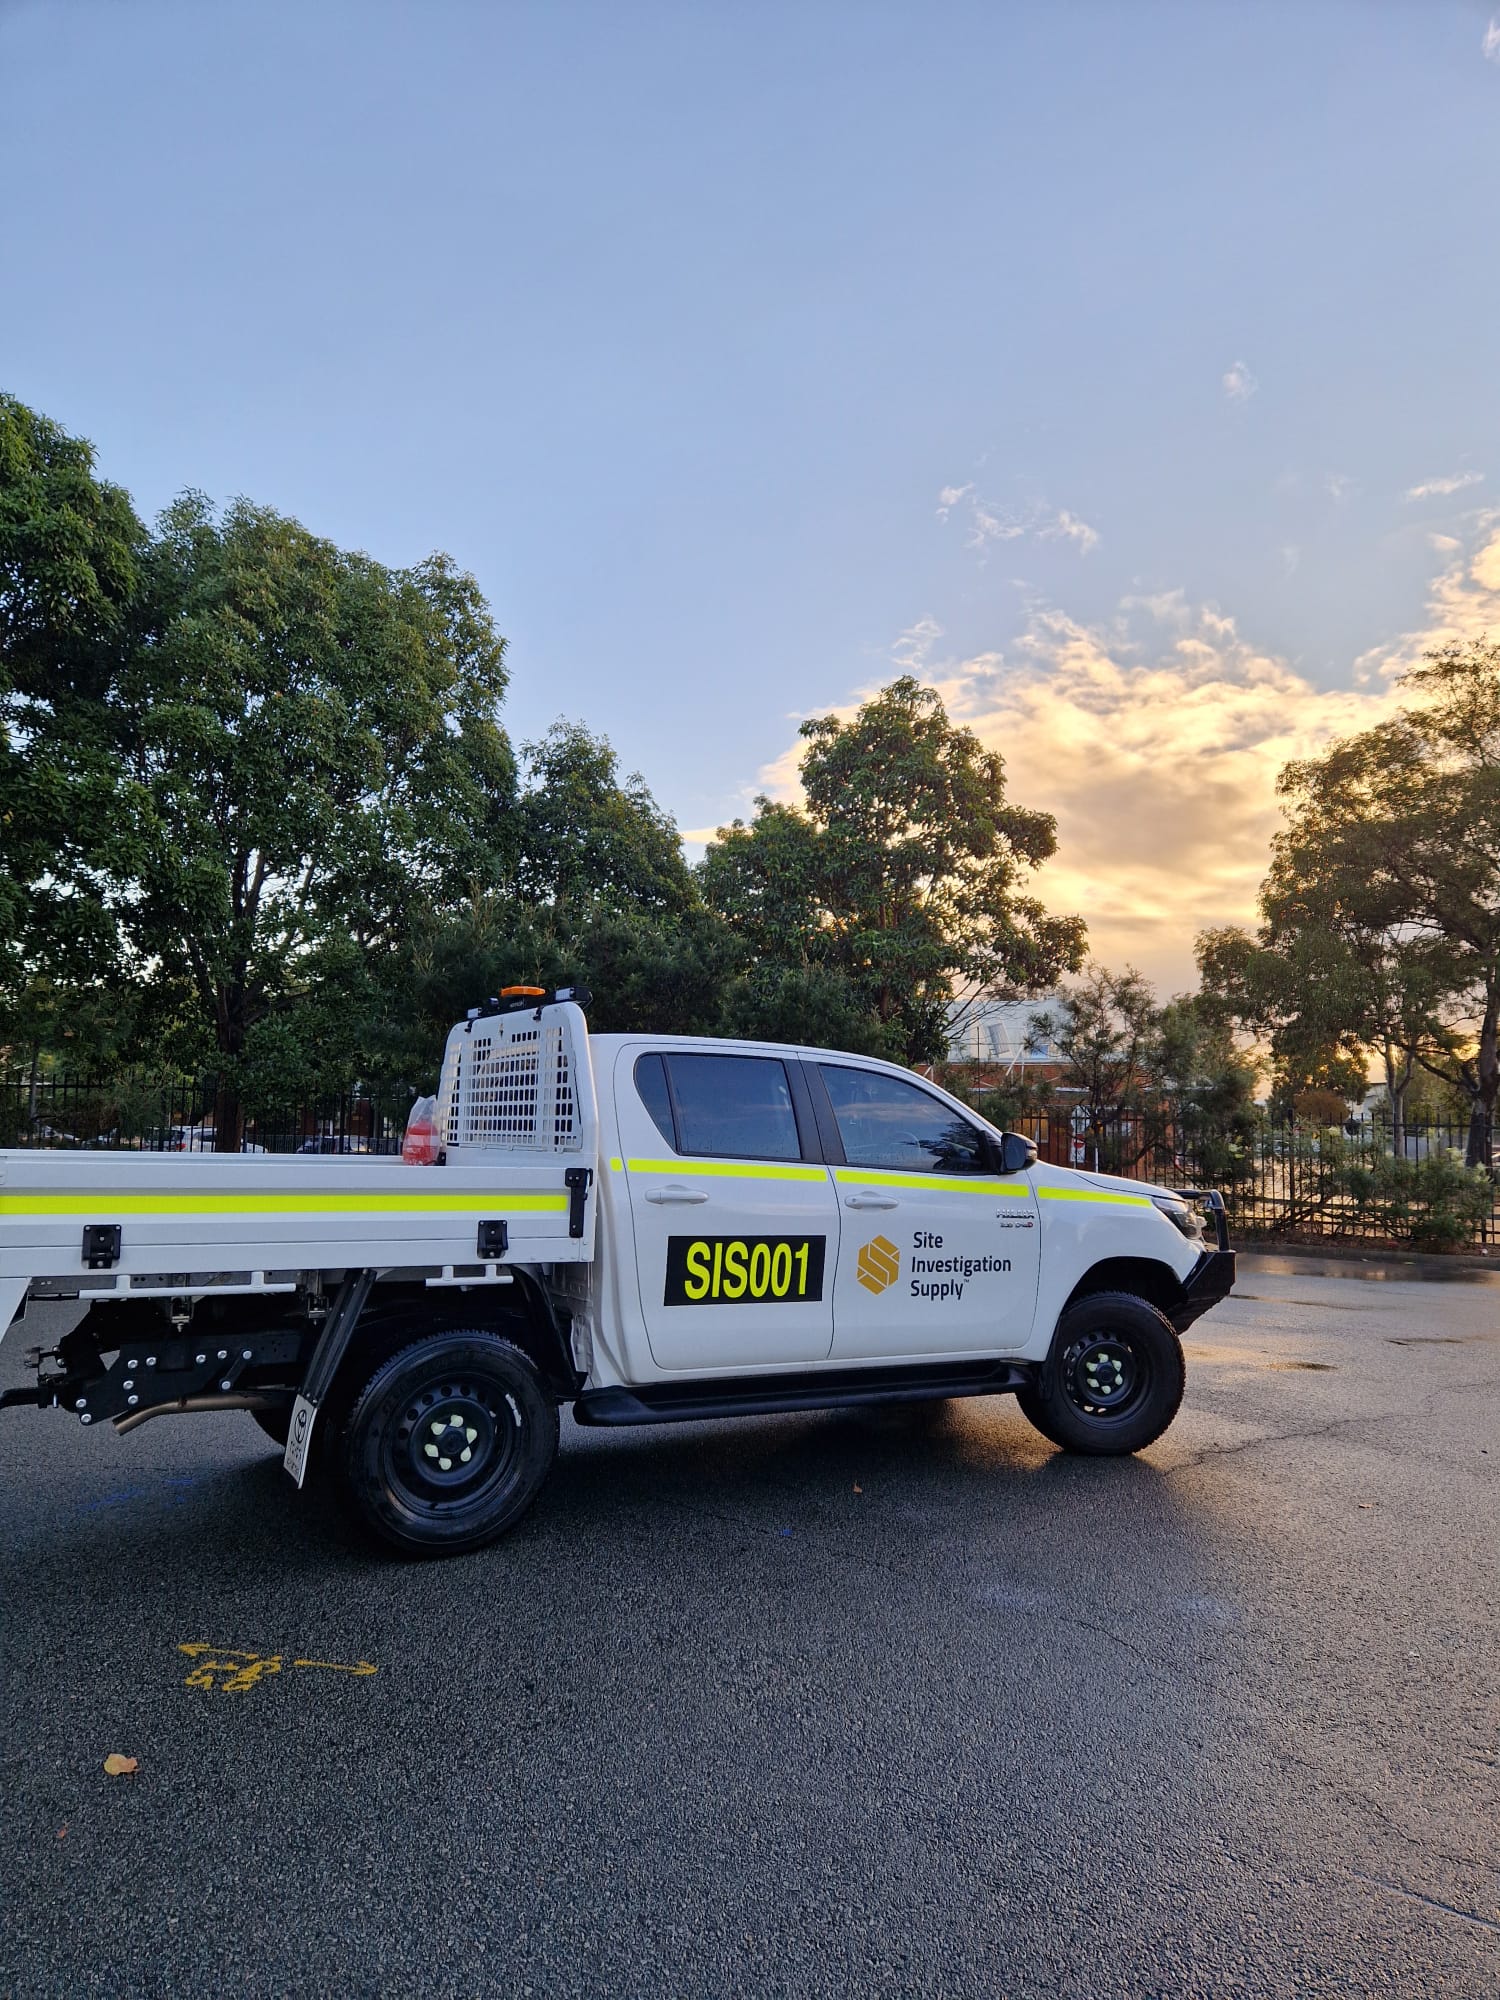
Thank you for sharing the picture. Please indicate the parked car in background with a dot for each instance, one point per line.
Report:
(200, 1139)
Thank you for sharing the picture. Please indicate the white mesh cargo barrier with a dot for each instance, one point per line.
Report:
(510, 1084)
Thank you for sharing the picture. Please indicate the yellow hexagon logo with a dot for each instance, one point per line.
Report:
(878, 1264)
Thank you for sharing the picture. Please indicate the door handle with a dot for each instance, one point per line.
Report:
(871, 1201)
(675, 1195)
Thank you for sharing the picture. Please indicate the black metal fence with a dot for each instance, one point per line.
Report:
(138, 1113)
(1298, 1181)
(1294, 1182)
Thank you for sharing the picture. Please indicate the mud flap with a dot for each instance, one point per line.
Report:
(333, 1342)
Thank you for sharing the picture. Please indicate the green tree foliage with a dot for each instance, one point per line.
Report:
(1381, 913)
(1207, 1080)
(1105, 1034)
(1150, 1079)
(311, 757)
(1304, 996)
(588, 840)
(906, 872)
(71, 549)
(594, 891)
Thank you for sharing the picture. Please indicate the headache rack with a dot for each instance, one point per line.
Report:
(511, 1080)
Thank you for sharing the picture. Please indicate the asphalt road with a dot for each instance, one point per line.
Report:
(839, 1704)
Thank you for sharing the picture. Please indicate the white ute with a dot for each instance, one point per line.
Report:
(648, 1228)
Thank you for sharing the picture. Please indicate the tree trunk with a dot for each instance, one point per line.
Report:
(229, 1110)
(1397, 1083)
(229, 1118)
(1482, 1107)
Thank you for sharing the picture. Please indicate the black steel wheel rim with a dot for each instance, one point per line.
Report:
(453, 1442)
(1105, 1376)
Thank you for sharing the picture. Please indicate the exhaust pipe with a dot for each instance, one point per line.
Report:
(185, 1405)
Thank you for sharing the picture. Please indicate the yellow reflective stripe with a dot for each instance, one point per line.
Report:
(1094, 1194)
(107, 1202)
(741, 1170)
(874, 1177)
(617, 1165)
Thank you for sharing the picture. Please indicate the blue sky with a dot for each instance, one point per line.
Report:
(1086, 357)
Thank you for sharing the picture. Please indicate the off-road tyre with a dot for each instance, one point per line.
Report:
(1029, 1403)
(447, 1442)
(1113, 1378)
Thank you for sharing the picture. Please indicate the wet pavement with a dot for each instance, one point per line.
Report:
(878, 1703)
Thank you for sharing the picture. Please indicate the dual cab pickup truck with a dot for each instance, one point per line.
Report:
(650, 1229)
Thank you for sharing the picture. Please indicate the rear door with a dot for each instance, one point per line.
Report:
(940, 1253)
(735, 1223)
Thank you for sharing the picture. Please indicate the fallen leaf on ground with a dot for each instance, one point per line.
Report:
(859, 1489)
(116, 1766)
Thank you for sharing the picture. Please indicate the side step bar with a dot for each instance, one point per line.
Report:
(827, 1389)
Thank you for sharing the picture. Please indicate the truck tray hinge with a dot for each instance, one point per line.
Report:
(576, 1180)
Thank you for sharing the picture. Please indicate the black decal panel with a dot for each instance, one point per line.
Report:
(744, 1270)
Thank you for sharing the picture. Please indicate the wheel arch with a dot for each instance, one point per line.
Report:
(520, 1312)
(1144, 1277)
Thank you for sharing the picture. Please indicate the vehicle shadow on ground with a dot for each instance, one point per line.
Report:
(933, 1467)
(921, 1470)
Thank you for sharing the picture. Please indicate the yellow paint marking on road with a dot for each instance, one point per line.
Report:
(227, 1669)
(234, 1670)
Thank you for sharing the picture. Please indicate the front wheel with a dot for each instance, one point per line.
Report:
(448, 1442)
(1113, 1379)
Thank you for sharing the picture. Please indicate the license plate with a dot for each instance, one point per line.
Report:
(298, 1439)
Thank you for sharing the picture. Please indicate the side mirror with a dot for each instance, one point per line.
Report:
(1017, 1153)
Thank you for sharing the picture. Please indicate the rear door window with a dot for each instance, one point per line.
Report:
(651, 1084)
(733, 1107)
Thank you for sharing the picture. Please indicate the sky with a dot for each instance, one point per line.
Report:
(1131, 372)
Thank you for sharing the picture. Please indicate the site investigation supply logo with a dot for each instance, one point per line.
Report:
(878, 1264)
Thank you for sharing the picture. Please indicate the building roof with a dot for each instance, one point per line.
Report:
(999, 1031)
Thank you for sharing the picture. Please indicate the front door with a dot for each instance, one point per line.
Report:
(736, 1232)
(938, 1253)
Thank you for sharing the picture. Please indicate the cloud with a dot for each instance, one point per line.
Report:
(988, 523)
(1156, 742)
(1338, 486)
(1239, 384)
(1068, 527)
(1156, 738)
(988, 526)
(1463, 603)
(1491, 42)
(912, 648)
(1455, 482)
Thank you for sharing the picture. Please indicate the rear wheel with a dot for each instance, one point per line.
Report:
(448, 1442)
(1113, 1379)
